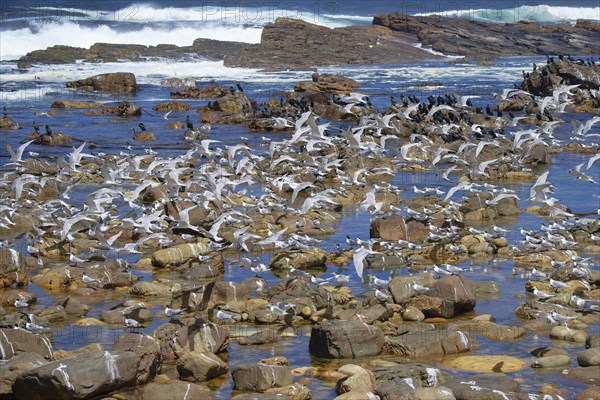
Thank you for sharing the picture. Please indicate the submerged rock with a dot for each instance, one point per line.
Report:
(488, 363)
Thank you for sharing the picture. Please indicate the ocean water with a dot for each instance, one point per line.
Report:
(29, 25)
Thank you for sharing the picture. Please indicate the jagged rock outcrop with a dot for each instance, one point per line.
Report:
(480, 40)
(543, 81)
(114, 82)
(291, 43)
(114, 52)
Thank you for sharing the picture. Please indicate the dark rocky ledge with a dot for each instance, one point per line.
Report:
(107, 52)
(479, 40)
(290, 43)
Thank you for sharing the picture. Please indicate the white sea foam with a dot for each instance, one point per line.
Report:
(541, 13)
(147, 25)
(17, 43)
(431, 51)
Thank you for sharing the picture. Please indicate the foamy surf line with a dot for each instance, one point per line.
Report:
(540, 13)
(17, 43)
(437, 53)
(147, 25)
(44, 84)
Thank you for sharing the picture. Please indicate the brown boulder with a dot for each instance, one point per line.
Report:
(12, 268)
(308, 258)
(429, 343)
(328, 83)
(174, 389)
(233, 103)
(457, 293)
(190, 334)
(144, 136)
(147, 348)
(115, 82)
(207, 92)
(174, 106)
(200, 366)
(396, 227)
(536, 155)
(17, 341)
(260, 377)
(345, 339)
(223, 292)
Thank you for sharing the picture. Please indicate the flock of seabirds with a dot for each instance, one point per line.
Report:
(307, 177)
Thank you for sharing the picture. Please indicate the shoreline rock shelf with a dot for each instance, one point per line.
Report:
(290, 43)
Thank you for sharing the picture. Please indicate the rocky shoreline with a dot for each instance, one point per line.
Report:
(288, 43)
(405, 337)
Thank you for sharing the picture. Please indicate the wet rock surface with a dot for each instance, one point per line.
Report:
(480, 40)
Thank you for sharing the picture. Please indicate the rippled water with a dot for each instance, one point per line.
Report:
(110, 134)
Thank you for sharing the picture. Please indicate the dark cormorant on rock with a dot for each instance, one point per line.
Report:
(4, 111)
(488, 110)
(36, 127)
(142, 126)
(239, 87)
(48, 130)
(189, 124)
